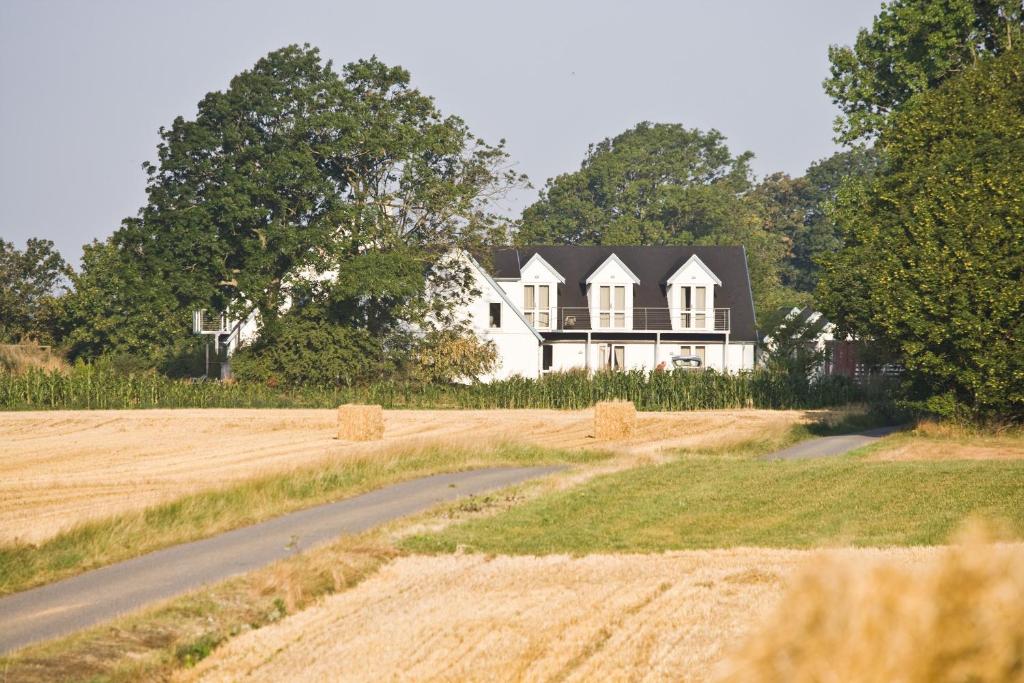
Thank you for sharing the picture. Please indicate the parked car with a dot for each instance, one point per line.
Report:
(689, 362)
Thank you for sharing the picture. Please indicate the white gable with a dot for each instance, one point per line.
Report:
(694, 271)
(613, 270)
(492, 288)
(539, 270)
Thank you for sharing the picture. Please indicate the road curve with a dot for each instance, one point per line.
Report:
(830, 446)
(87, 599)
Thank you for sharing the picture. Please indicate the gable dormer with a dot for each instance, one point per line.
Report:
(610, 295)
(690, 292)
(539, 282)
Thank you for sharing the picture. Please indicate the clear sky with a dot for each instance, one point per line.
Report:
(85, 85)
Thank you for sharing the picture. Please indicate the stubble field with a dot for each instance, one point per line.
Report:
(672, 616)
(59, 469)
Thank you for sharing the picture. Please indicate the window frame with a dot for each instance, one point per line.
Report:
(538, 316)
(607, 357)
(611, 317)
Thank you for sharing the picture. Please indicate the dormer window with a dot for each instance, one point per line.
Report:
(537, 305)
(610, 295)
(694, 307)
(611, 311)
(691, 296)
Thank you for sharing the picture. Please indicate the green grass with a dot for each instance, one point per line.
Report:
(706, 502)
(200, 515)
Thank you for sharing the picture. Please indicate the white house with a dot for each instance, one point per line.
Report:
(614, 308)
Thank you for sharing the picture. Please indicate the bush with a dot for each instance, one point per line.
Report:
(302, 352)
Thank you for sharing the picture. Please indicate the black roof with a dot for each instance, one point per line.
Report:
(652, 265)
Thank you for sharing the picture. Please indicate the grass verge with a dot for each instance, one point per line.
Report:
(121, 537)
(152, 643)
(711, 502)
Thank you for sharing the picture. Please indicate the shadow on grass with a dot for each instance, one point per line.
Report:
(867, 423)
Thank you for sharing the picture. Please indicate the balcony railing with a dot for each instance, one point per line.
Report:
(570, 319)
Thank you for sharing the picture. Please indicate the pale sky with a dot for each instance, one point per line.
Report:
(84, 86)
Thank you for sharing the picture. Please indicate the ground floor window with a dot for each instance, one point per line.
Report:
(495, 315)
(698, 351)
(547, 354)
(611, 357)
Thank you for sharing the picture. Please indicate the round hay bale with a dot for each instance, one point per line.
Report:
(357, 422)
(614, 420)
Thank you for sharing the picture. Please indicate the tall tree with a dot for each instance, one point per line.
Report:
(292, 175)
(658, 184)
(30, 282)
(912, 46)
(799, 210)
(933, 262)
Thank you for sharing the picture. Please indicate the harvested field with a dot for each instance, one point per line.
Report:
(957, 618)
(924, 450)
(672, 616)
(61, 468)
(929, 442)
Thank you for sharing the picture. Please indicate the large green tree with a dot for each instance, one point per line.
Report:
(659, 184)
(933, 262)
(283, 186)
(30, 283)
(799, 210)
(913, 46)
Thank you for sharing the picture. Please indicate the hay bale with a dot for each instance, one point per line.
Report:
(614, 420)
(957, 617)
(358, 422)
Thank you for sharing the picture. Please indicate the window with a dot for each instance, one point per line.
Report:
(611, 357)
(495, 315)
(694, 302)
(684, 303)
(547, 356)
(700, 302)
(536, 305)
(611, 303)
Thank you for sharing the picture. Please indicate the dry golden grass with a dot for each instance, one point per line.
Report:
(360, 422)
(61, 468)
(614, 420)
(477, 618)
(931, 440)
(17, 358)
(958, 617)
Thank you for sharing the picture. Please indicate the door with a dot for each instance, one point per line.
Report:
(700, 302)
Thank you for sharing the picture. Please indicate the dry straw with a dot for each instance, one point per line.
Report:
(958, 617)
(614, 420)
(358, 422)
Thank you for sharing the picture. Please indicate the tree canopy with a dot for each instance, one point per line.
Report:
(799, 210)
(659, 184)
(933, 262)
(911, 47)
(30, 282)
(296, 191)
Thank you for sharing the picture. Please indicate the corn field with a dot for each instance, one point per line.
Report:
(90, 388)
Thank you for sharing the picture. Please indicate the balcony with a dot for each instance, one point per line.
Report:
(582, 319)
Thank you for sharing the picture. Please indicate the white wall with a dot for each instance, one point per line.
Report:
(517, 346)
(641, 355)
